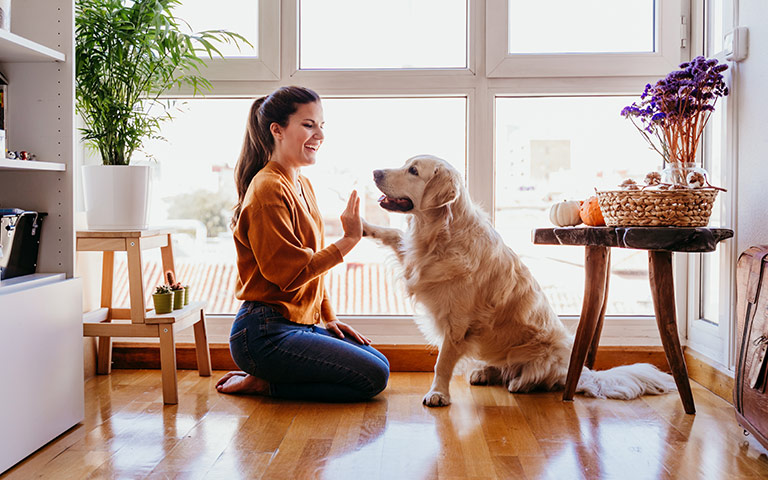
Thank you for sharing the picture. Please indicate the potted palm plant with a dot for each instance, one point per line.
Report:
(128, 54)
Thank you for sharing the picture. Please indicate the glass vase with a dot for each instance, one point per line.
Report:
(676, 173)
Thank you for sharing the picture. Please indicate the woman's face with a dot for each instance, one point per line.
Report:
(297, 144)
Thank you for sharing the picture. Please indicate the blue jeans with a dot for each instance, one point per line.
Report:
(304, 361)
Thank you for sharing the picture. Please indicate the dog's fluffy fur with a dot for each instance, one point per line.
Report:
(482, 301)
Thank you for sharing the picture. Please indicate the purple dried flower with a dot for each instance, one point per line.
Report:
(672, 114)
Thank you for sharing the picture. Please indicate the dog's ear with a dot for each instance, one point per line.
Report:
(441, 190)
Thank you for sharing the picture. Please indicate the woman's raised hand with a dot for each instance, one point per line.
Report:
(351, 223)
(350, 218)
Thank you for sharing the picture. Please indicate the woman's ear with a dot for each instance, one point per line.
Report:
(441, 190)
(276, 130)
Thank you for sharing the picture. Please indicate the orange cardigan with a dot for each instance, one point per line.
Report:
(281, 258)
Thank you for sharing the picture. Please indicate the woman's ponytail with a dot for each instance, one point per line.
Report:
(253, 157)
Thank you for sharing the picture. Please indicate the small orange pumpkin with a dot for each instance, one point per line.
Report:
(590, 213)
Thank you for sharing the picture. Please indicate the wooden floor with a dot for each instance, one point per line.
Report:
(486, 433)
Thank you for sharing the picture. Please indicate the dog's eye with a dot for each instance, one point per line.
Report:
(413, 171)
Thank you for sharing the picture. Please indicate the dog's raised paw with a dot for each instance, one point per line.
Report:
(368, 229)
(436, 399)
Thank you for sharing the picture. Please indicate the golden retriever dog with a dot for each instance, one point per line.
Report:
(482, 302)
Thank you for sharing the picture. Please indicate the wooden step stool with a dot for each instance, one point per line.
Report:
(137, 321)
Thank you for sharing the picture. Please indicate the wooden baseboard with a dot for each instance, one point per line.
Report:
(402, 358)
(714, 379)
(613, 356)
(422, 358)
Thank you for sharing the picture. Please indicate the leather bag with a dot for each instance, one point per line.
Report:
(750, 397)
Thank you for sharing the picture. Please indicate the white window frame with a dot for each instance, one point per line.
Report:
(670, 36)
(480, 89)
(265, 65)
(718, 341)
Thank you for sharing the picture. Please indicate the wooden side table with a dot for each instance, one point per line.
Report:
(660, 243)
(137, 321)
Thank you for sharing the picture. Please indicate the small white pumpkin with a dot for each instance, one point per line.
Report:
(565, 213)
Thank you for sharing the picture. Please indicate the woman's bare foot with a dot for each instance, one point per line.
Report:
(241, 382)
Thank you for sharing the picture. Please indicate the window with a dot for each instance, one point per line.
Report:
(712, 298)
(392, 34)
(710, 262)
(256, 20)
(561, 148)
(364, 134)
(562, 38)
(200, 16)
(193, 190)
(540, 123)
(588, 26)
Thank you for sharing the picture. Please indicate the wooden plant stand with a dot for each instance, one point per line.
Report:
(137, 321)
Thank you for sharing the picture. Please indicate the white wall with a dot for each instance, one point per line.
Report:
(751, 88)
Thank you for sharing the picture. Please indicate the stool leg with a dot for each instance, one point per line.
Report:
(135, 282)
(201, 347)
(168, 364)
(663, 291)
(592, 353)
(104, 355)
(595, 262)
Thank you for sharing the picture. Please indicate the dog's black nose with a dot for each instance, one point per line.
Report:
(378, 175)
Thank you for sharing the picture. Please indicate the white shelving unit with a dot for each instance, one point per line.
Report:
(6, 164)
(40, 314)
(26, 282)
(19, 49)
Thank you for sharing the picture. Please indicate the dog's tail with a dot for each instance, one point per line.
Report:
(625, 382)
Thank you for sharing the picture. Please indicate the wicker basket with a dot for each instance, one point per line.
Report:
(657, 208)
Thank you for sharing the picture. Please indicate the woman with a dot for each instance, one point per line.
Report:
(276, 338)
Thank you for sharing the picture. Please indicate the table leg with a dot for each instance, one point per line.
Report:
(663, 291)
(595, 264)
(592, 353)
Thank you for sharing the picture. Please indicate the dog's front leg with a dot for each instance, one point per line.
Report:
(439, 394)
(391, 237)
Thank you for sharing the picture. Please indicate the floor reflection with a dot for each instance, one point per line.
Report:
(485, 433)
(415, 446)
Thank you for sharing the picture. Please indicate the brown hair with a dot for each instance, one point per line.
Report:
(259, 143)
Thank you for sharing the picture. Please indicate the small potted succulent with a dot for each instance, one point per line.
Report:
(163, 299)
(177, 288)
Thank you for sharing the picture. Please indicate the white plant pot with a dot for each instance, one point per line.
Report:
(116, 196)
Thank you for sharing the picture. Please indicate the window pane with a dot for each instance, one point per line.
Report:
(193, 190)
(553, 149)
(715, 14)
(238, 16)
(710, 262)
(363, 135)
(360, 34)
(586, 26)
